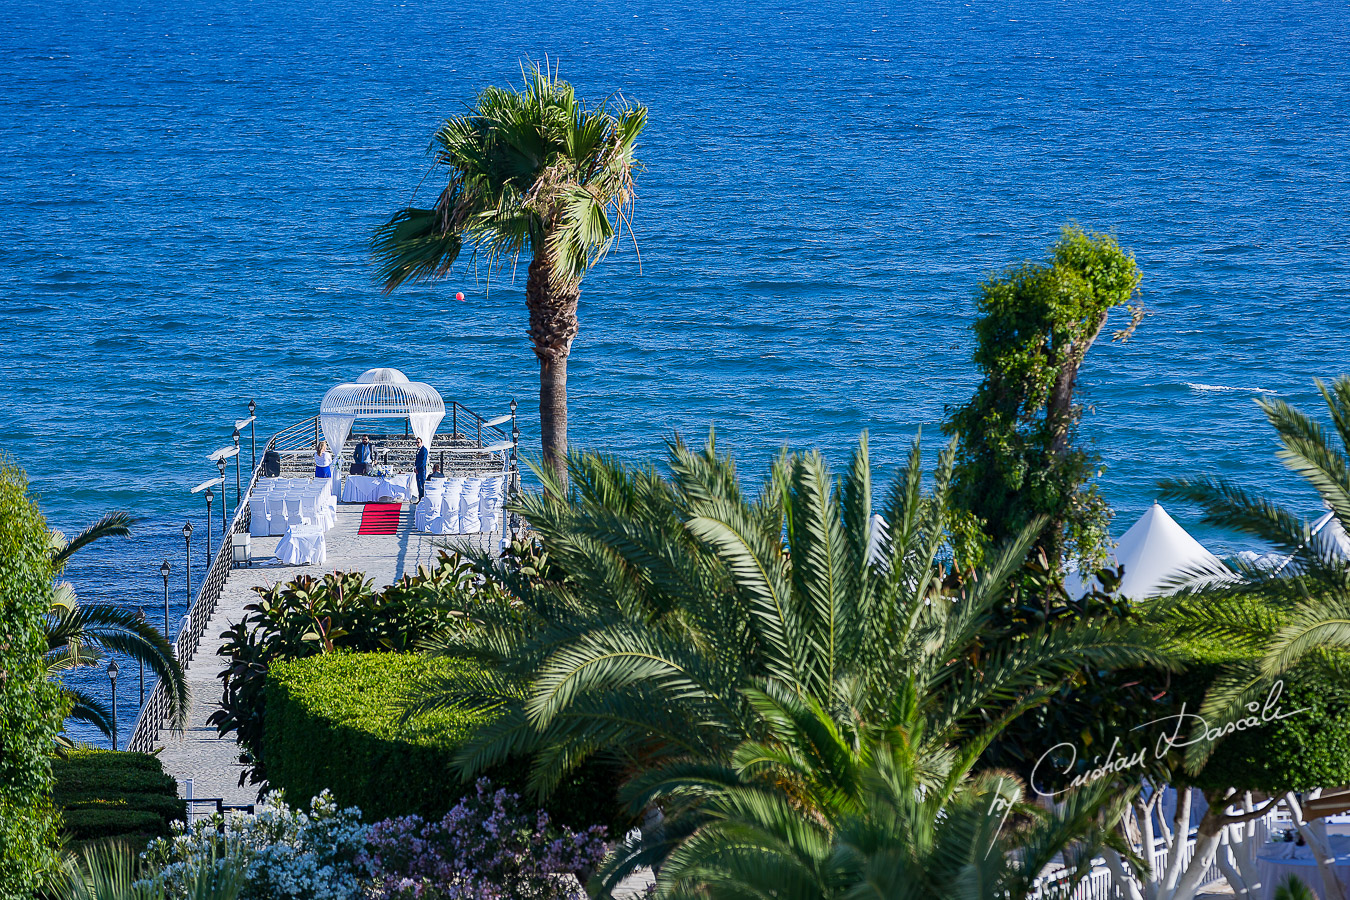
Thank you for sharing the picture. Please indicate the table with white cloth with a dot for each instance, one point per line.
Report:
(1275, 862)
(370, 488)
(303, 545)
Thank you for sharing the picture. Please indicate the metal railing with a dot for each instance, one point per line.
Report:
(302, 435)
(155, 713)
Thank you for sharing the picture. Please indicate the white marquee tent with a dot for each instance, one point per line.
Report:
(380, 394)
(1156, 552)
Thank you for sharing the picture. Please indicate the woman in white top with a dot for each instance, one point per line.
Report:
(323, 461)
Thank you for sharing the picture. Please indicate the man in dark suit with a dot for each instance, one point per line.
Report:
(421, 468)
(362, 456)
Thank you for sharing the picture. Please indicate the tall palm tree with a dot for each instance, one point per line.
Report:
(662, 600)
(533, 171)
(1282, 614)
(78, 635)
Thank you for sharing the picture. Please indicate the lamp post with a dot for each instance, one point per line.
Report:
(253, 433)
(140, 617)
(220, 465)
(210, 495)
(112, 677)
(164, 570)
(513, 476)
(238, 489)
(187, 570)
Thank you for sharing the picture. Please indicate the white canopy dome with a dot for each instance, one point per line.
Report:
(1156, 553)
(380, 394)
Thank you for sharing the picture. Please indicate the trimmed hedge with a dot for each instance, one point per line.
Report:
(333, 722)
(103, 794)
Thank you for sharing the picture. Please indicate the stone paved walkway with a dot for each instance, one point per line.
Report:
(200, 754)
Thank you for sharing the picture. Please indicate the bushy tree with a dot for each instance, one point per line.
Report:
(1018, 455)
(31, 708)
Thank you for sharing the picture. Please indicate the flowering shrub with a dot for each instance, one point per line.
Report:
(290, 855)
(485, 848)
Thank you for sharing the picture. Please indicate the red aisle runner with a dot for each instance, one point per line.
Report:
(380, 518)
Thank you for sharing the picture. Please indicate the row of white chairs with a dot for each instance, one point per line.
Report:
(461, 505)
(278, 504)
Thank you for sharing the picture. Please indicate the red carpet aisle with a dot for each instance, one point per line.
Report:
(380, 518)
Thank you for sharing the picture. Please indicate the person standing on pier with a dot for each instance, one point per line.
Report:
(363, 456)
(420, 466)
(323, 461)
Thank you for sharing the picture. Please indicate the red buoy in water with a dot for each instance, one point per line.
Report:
(460, 296)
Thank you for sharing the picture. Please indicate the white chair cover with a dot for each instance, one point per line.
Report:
(276, 514)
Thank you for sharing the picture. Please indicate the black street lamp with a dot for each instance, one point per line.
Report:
(238, 489)
(187, 568)
(220, 465)
(209, 497)
(514, 475)
(140, 617)
(112, 676)
(253, 433)
(164, 570)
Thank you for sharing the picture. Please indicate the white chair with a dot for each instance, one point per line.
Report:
(489, 512)
(449, 514)
(293, 514)
(312, 512)
(468, 508)
(276, 515)
(257, 516)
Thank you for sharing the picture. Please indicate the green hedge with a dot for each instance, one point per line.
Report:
(333, 722)
(104, 794)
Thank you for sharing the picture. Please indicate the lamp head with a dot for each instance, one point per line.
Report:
(220, 465)
(235, 436)
(210, 495)
(252, 407)
(515, 434)
(513, 406)
(112, 670)
(187, 532)
(165, 568)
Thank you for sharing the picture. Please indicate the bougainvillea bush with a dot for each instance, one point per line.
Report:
(485, 848)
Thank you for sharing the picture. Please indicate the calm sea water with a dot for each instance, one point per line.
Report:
(189, 187)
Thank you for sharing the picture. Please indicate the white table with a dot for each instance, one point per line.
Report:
(1277, 861)
(303, 545)
(370, 488)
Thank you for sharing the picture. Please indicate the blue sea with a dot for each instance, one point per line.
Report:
(189, 189)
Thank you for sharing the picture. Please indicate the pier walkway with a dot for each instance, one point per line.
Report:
(202, 755)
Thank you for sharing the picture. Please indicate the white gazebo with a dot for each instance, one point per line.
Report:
(380, 394)
(1158, 556)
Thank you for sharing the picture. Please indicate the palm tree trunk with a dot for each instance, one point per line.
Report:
(553, 326)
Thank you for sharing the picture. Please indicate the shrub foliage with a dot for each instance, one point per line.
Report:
(312, 616)
(334, 722)
(107, 794)
(30, 708)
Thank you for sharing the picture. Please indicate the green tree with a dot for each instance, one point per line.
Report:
(537, 172)
(654, 603)
(30, 707)
(80, 635)
(1299, 608)
(832, 805)
(1018, 456)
